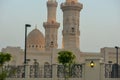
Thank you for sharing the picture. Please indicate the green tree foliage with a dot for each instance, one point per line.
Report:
(4, 57)
(67, 59)
(3, 75)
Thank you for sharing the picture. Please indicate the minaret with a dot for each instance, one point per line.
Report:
(71, 14)
(51, 26)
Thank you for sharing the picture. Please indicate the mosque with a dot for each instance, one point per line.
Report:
(44, 49)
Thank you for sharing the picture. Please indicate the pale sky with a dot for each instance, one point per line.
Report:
(99, 22)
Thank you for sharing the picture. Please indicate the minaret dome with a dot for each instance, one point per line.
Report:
(35, 40)
(69, 1)
(52, 0)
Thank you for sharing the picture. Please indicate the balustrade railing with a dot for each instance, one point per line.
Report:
(111, 71)
(43, 71)
(75, 71)
(108, 70)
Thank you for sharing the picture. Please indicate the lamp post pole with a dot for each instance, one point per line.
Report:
(117, 60)
(26, 25)
(25, 60)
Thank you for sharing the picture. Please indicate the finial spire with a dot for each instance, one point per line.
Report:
(52, 0)
(69, 1)
(36, 26)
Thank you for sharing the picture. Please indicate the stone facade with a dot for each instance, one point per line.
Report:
(109, 54)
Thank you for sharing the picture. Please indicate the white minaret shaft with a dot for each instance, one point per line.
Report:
(51, 26)
(71, 14)
(51, 6)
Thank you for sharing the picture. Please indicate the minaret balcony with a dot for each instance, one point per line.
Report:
(75, 6)
(70, 33)
(51, 24)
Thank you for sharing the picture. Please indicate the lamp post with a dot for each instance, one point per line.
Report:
(117, 60)
(25, 60)
(26, 25)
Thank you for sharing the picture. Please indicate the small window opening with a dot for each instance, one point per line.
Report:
(33, 46)
(73, 2)
(52, 21)
(51, 42)
(73, 29)
(36, 46)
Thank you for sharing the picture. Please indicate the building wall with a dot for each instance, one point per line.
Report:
(109, 54)
(17, 55)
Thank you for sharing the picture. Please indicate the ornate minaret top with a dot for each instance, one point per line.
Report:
(69, 1)
(51, 6)
(52, 0)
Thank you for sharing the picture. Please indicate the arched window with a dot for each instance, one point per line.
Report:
(73, 30)
(40, 46)
(73, 2)
(36, 46)
(52, 21)
(51, 43)
(46, 63)
(32, 46)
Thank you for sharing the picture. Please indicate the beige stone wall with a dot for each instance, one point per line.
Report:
(109, 54)
(89, 55)
(17, 55)
(41, 58)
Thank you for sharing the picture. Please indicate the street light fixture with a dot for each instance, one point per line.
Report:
(92, 64)
(117, 61)
(117, 54)
(26, 25)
